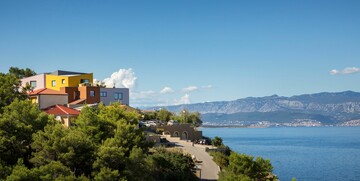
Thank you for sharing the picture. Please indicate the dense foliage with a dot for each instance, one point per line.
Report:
(21, 73)
(235, 166)
(184, 116)
(103, 143)
(10, 85)
(217, 141)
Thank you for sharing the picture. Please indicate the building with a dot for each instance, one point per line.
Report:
(36, 81)
(60, 78)
(57, 79)
(62, 113)
(77, 85)
(46, 97)
(183, 131)
(82, 95)
(109, 95)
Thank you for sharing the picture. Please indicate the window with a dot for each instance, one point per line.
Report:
(103, 94)
(76, 95)
(53, 83)
(92, 93)
(63, 81)
(32, 84)
(118, 96)
(84, 81)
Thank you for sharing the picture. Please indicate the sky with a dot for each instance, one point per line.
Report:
(189, 51)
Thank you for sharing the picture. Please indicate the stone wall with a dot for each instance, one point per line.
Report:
(184, 131)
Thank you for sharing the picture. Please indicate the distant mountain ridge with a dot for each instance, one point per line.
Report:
(325, 107)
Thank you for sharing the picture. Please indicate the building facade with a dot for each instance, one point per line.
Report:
(182, 131)
(36, 81)
(62, 113)
(82, 95)
(47, 97)
(77, 86)
(109, 95)
(60, 78)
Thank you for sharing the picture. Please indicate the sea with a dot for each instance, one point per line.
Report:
(306, 153)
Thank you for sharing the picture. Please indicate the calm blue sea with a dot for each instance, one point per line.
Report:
(315, 153)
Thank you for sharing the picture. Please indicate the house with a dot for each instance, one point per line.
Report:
(60, 78)
(78, 86)
(183, 131)
(46, 97)
(83, 94)
(62, 113)
(36, 81)
(57, 79)
(109, 95)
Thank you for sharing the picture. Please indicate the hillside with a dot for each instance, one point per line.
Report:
(323, 108)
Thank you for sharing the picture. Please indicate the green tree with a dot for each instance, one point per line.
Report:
(188, 117)
(9, 86)
(165, 165)
(21, 73)
(17, 124)
(5, 170)
(149, 115)
(128, 136)
(90, 123)
(230, 176)
(217, 141)
(116, 112)
(136, 164)
(195, 118)
(21, 172)
(123, 152)
(243, 167)
(164, 115)
(220, 159)
(52, 171)
(107, 174)
(72, 148)
(110, 155)
(263, 168)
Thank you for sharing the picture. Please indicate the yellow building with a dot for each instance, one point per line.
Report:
(58, 79)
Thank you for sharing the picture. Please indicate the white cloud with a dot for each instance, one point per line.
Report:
(334, 72)
(347, 70)
(124, 78)
(190, 89)
(207, 87)
(142, 94)
(166, 90)
(183, 100)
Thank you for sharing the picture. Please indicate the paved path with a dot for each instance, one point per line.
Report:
(209, 169)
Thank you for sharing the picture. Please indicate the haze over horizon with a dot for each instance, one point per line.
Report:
(179, 52)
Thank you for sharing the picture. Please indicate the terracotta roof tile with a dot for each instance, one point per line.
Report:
(45, 91)
(61, 110)
(79, 101)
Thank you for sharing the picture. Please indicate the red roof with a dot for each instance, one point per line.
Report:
(61, 110)
(45, 91)
(79, 101)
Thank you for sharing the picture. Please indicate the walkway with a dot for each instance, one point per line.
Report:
(209, 169)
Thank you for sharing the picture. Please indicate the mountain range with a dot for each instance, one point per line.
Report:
(340, 108)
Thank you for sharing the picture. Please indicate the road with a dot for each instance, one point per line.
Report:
(209, 169)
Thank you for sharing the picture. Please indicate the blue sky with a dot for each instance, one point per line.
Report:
(201, 50)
